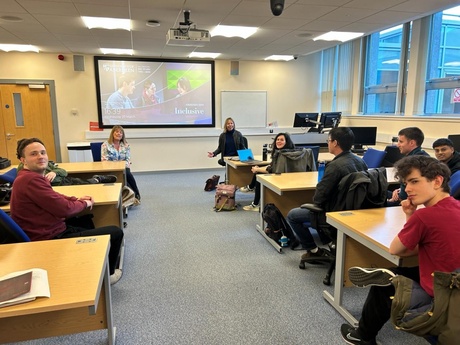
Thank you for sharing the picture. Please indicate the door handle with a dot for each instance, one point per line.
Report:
(9, 135)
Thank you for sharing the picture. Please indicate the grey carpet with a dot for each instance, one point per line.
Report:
(194, 276)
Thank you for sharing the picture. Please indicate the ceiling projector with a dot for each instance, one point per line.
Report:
(187, 37)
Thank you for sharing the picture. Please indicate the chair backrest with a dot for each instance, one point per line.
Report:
(393, 155)
(314, 149)
(9, 176)
(374, 158)
(10, 232)
(455, 185)
(96, 151)
(245, 142)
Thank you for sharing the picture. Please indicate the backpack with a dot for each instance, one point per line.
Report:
(225, 197)
(211, 183)
(277, 226)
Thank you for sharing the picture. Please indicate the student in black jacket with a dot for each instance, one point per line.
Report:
(445, 152)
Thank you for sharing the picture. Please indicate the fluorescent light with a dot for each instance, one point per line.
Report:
(233, 31)
(280, 57)
(204, 55)
(19, 48)
(107, 23)
(117, 51)
(338, 36)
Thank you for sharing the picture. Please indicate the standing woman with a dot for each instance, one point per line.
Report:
(281, 141)
(230, 140)
(116, 148)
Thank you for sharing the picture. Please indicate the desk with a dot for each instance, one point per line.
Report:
(239, 173)
(107, 208)
(78, 276)
(363, 239)
(286, 191)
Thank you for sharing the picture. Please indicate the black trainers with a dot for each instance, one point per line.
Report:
(351, 336)
(321, 253)
(105, 178)
(363, 277)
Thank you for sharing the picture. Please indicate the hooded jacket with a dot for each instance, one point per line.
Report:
(292, 160)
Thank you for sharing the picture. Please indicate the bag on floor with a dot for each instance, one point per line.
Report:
(277, 226)
(128, 197)
(211, 183)
(225, 197)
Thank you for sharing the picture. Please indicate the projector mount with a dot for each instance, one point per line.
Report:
(184, 26)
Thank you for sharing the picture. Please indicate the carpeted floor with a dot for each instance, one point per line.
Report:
(194, 276)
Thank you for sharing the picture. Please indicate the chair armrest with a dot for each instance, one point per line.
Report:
(312, 207)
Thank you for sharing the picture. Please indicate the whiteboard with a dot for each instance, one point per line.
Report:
(247, 108)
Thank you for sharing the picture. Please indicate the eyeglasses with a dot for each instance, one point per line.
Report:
(330, 140)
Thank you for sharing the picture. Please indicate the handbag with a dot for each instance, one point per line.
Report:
(211, 183)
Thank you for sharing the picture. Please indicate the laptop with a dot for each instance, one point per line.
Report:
(246, 156)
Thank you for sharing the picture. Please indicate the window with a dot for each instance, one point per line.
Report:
(442, 90)
(386, 70)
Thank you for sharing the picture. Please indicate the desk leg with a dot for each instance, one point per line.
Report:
(337, 300)
(111, 330)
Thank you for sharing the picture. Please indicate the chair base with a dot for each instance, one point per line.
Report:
(330, 259)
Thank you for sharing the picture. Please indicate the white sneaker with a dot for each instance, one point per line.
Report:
(252, 207)
(116, 276)
(246, 189)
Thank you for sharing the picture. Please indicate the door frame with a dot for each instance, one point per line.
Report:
(52, 89)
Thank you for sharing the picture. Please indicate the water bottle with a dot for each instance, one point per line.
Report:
(321, 167)
(284, 241)
(264, 152)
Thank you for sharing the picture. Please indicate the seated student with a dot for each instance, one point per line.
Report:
(284, 159)
(230, 140)
(429, 232)
(41, 212)
(58, 176)
(339, 144)
(410, 142)
(445, 152)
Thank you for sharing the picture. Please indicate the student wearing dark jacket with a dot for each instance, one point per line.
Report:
(445, 152)
(339, 144)
(230, 140)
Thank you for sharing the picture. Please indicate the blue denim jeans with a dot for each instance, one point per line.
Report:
(299, 221)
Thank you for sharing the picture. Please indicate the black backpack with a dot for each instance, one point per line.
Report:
(276, 224)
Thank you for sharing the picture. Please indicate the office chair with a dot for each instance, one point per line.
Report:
(314, 149)
(245, 142)
(393, 155)
(10, 232)
(96, 151)
(374, 158)
(357, 190)
(454, 184)
(9, 176)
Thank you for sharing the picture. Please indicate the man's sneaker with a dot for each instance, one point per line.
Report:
(351, 336)
(251, 207)
(363, 277)
(321, 253)
(246, 189)
(105, 178)
(116, 276)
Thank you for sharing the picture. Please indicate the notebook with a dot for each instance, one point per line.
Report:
(246, 156)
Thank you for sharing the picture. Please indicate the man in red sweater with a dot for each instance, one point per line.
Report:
(41, 212)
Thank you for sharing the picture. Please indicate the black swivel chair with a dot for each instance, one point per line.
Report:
(357, 190)
(393, 155)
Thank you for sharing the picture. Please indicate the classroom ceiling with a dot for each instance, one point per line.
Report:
(55, 26)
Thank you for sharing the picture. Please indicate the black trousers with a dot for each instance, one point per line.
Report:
(377, 308)
(132, 183)
(116, 239)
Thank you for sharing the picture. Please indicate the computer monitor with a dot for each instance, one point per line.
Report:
(329, 120)
(305, 119)
(364, 136)
(455, 138)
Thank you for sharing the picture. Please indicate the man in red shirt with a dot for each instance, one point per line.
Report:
(431, 232)
(41, 212)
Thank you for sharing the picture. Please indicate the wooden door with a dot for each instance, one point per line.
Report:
(25, 113)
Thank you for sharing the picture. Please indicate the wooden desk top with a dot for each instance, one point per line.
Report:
(103, 194)
(75, 271)
(280, 183)
(88, 167)
(379, 225)
(236, 163)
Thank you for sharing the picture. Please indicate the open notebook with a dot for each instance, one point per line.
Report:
(246, 156)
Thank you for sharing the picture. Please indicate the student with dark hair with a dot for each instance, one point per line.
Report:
(41, 212)
(430, 232)
(339, 144)
(410, 142)
(230, 140)
(445, 152)
(282, 141)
